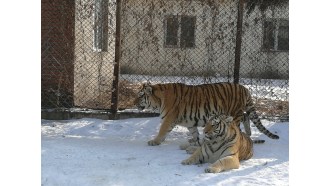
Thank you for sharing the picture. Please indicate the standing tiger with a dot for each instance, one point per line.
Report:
(224, 146)
(191, 105)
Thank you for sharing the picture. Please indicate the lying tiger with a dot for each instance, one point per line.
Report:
(190, 106)
(224, 146)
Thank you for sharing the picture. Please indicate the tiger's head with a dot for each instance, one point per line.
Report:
(216, 126)
(147, 99)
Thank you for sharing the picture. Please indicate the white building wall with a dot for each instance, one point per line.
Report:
(256, 62)
(143, 50)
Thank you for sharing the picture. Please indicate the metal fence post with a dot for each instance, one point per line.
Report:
(115, 83)
(238, 41)
(246, 120)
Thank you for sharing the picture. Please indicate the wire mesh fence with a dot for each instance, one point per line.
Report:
(94, 53)
(190, 42)
(77, 53)
(264, 66)
(57, 53)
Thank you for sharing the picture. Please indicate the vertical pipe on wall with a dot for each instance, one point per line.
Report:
(115, 82)
(238, 41)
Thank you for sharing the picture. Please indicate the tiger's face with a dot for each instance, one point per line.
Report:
(216, 126)
(146, 98)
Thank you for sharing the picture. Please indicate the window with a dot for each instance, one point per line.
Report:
(276, 35)
(100, 27)
(171, 31)
(185, 25)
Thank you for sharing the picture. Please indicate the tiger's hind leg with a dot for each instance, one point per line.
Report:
(223, 164)
(246, 124)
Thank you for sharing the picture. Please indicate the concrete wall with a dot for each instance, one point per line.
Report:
(93, 72)
(143, 50)
(256, 62)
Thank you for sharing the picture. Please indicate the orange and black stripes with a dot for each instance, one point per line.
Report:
(223, 139)
(193, 104)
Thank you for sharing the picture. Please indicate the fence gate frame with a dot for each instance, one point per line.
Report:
(115, 83)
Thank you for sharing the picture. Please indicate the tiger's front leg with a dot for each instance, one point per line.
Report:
(166, 127)
(194, 158)
(191, 149)
(194, 141)
(223, 164)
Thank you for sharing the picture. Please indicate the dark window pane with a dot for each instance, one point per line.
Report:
(268, 37)
(187, 32)
(283, 36)
(171, 33)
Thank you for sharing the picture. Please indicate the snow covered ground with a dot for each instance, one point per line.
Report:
(115, 152)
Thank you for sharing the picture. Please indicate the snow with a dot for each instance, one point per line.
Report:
(115, 152)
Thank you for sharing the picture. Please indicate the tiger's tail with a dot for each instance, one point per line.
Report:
(256, 120)
(258, 141)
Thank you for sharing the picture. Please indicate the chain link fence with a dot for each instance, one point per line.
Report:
(57, 53)
(94, 53)
(190, 42)
(78, 53)
(264, 66)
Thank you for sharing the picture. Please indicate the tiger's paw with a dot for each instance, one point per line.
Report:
(212, 170)
(189, 161)
(192, 141)
(184, 146)
(191, 149)
(186, 162)
(153, 142)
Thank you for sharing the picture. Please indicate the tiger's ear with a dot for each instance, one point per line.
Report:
(211, 117)
(145, 84)
(229, 119)
(148, 90)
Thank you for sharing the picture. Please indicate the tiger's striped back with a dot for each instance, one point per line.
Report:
(191, 105)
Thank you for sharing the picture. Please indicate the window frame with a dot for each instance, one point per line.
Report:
(179, 33)
(276, 23)
(100, 26)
